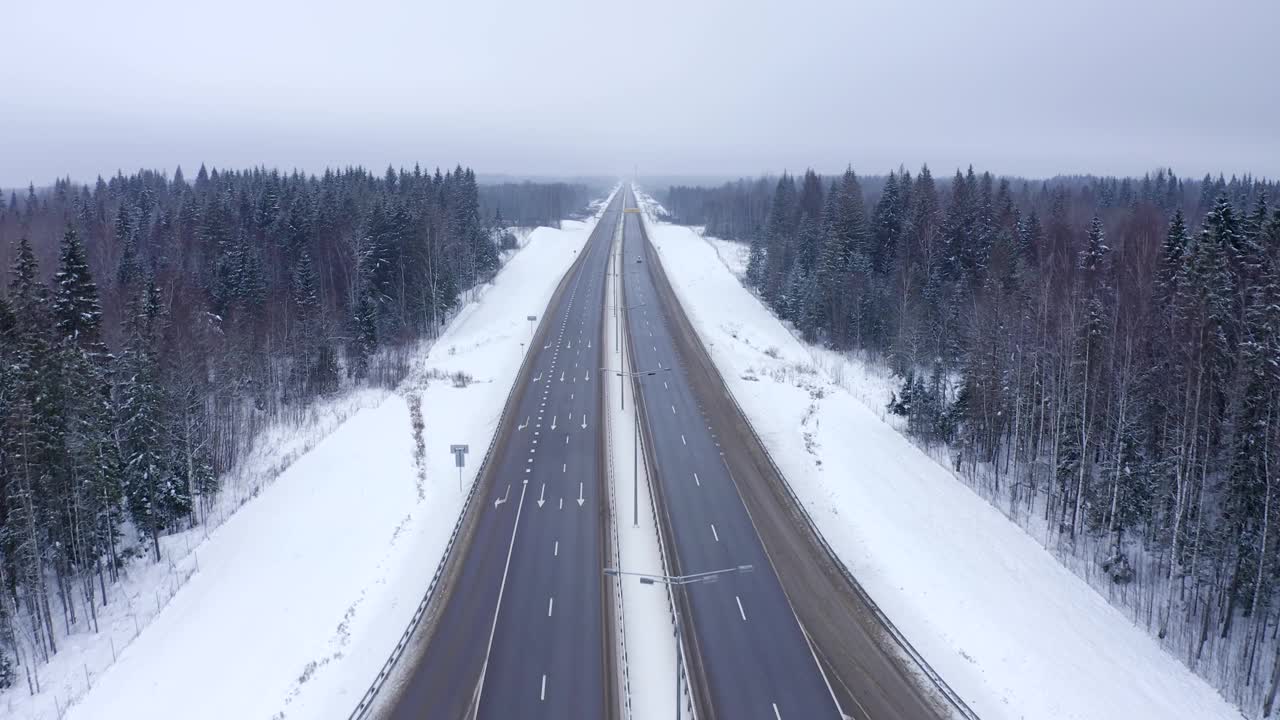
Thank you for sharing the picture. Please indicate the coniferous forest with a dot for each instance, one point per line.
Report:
(150, 326)
(1099, 357)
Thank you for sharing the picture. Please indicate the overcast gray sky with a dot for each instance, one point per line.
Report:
(673, 86)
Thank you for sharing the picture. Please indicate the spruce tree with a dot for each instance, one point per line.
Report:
(156, 497)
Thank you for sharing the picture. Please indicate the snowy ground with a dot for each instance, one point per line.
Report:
(300, 594)
(1013, 631)
(650, 633)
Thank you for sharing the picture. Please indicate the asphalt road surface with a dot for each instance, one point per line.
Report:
(792, 639)
(524, 631)
(753, 655)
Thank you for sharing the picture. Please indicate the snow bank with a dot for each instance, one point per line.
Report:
(1011, 629)
(300, 595)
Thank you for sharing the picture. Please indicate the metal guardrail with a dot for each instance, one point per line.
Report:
(899, 638)
(949, 694)
(687, 687)
(366, 701)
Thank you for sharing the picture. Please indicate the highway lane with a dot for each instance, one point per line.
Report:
(866, 669)
(522, 632)
(755, 657)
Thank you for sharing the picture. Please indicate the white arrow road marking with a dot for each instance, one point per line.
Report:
(493, 629)
(584, 421)
(664, 385)
(553, 422)
(673, 409)
(588, 344)
(544, 687)
(588, 376)
(696, 480)
(551, 603)
(543, 493)
(561, 376)
(504, 497)
(556, 552)
(561, 503)
(740, 610)
(686, 442)
(525, 425)
(538, 378)
(776, 714)
(580, 498)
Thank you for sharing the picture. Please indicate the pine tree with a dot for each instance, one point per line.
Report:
(364, 323)
(779, 240)
(156, 497)
(756, 261)
(129, 270)
(86, 363)
(33, 443)
(306, 309)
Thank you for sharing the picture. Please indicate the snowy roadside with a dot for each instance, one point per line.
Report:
(302, 590)
(1012, 630)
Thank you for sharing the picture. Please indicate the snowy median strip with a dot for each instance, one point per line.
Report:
(648, 643)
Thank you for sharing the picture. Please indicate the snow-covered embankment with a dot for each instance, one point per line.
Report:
(301, 594)
(1013, 631)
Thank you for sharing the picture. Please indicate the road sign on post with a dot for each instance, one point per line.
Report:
(531, 319)
(459, 459)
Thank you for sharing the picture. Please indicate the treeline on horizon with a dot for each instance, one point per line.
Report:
(1099, 357)
(151, 326)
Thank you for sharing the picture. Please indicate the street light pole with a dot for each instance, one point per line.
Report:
(678, 582)
(635, 475)
(619, 308)
(635, 461)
